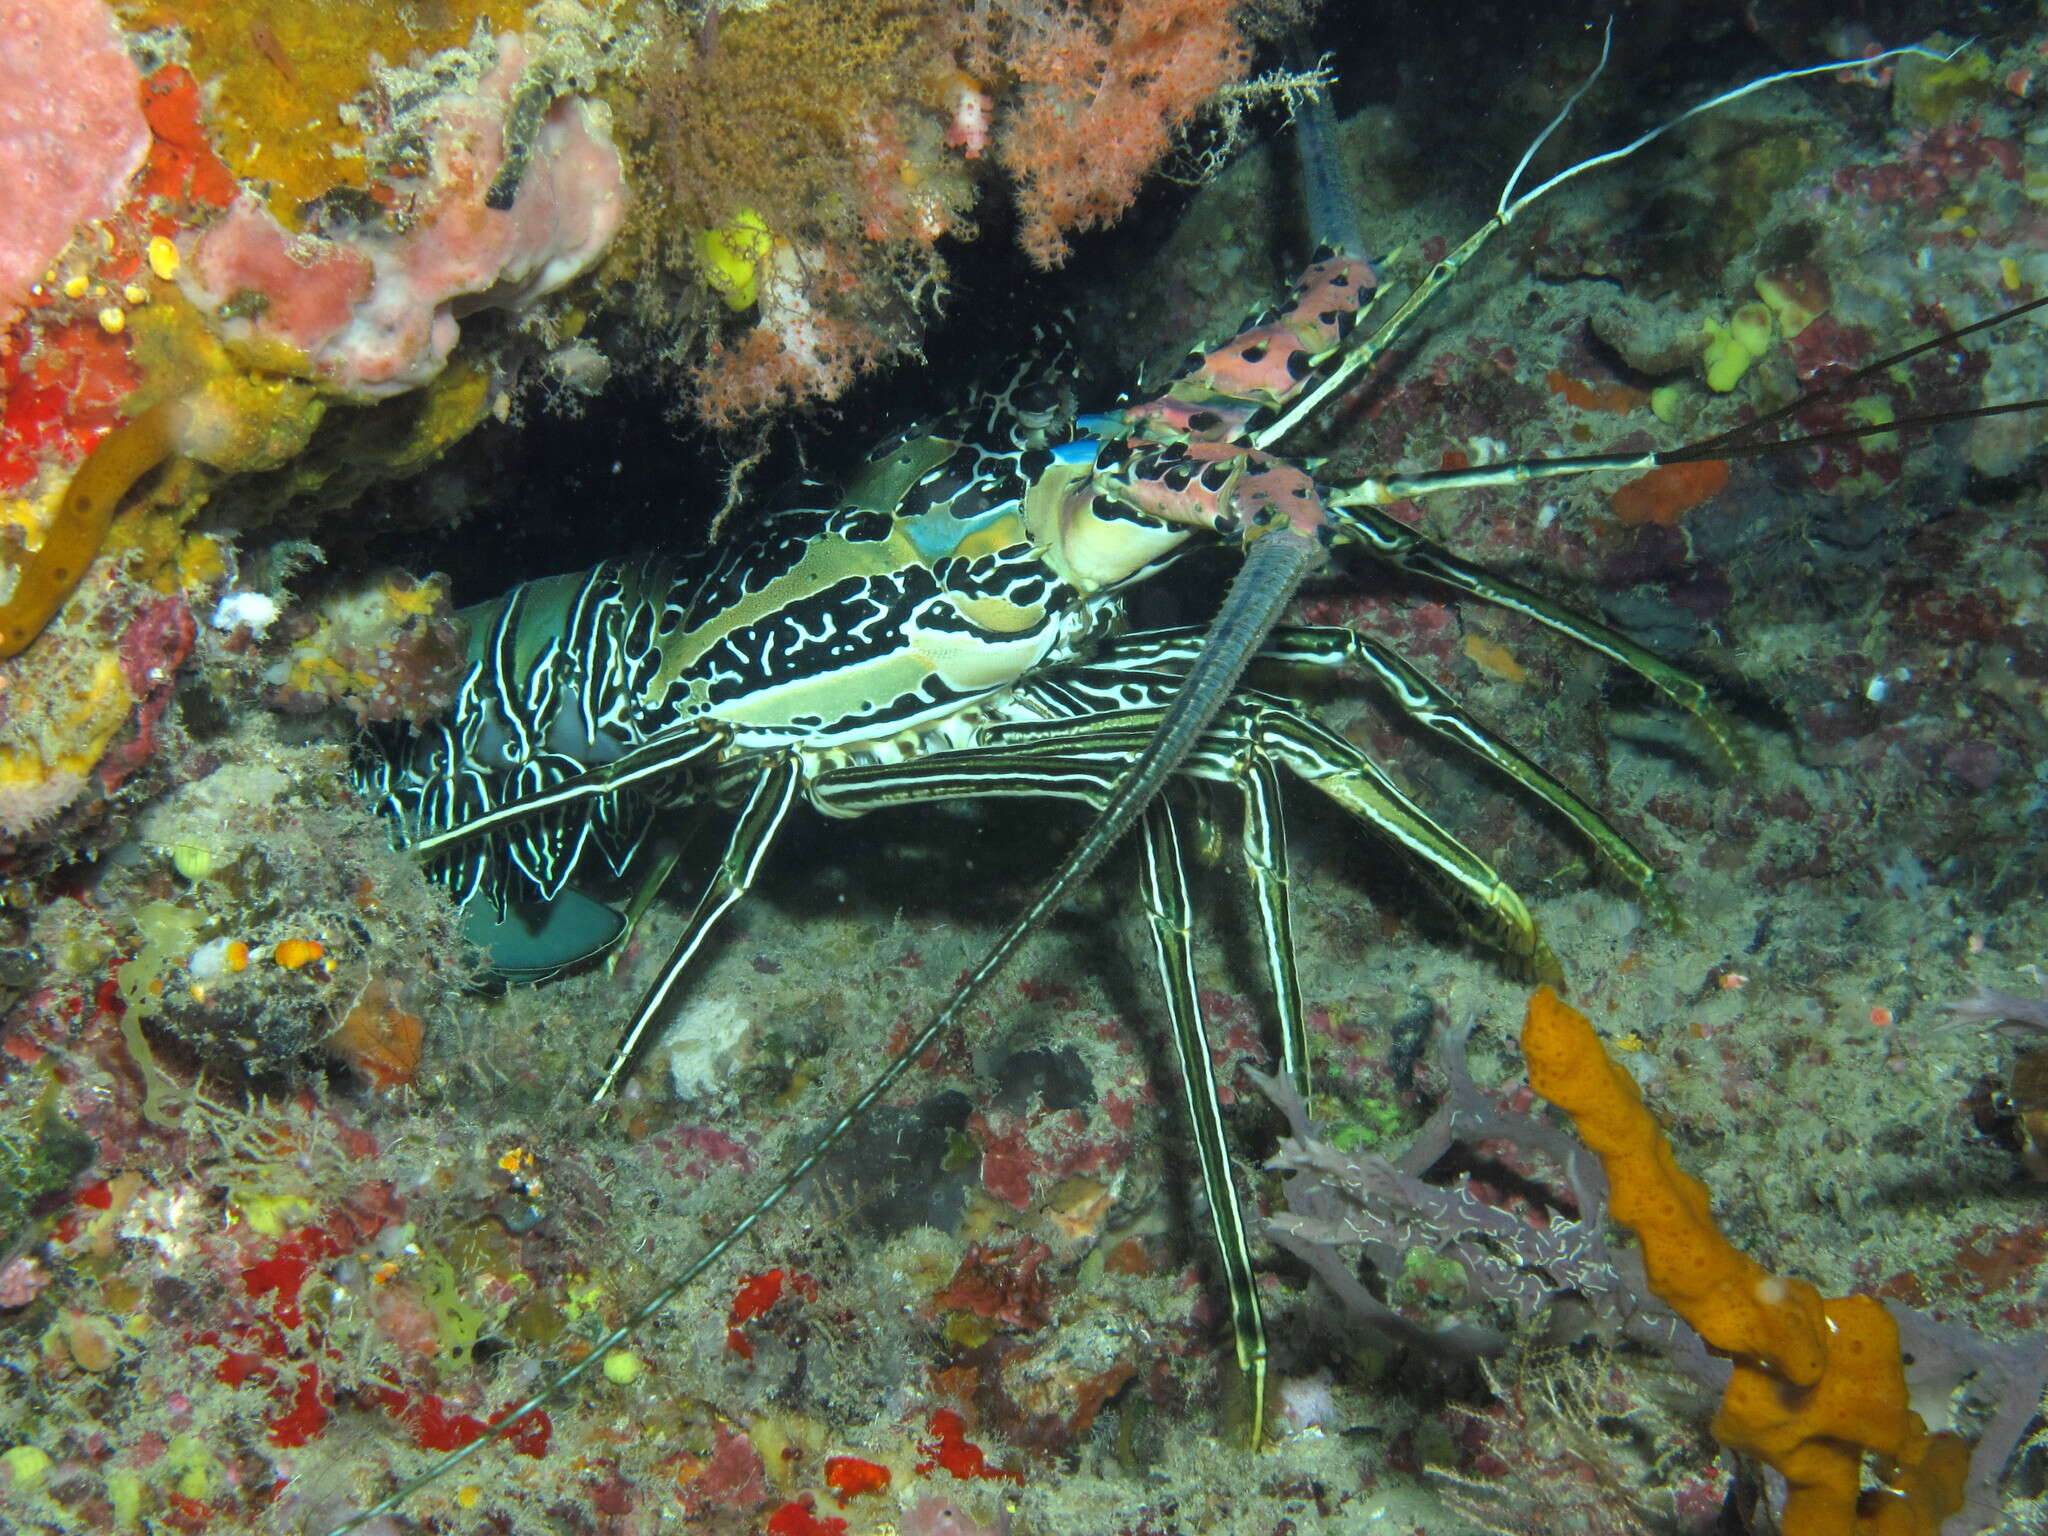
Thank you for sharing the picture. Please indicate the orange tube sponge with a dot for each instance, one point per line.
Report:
(1818, 1383)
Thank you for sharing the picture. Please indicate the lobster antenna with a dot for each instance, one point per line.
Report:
(1325, 191)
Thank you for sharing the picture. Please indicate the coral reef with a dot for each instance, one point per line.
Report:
(295, 1198)
(191, 341)
(1100, 99)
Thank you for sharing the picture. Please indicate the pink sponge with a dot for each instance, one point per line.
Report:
(377, 314)
(71, 132)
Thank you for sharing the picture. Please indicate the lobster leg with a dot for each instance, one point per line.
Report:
(1074, 758)
(1265, 860)
(1430, 707)
(1438, 711)
(1167, 910)
(1399, 545)
(1258, 724)
(768, 802)
(1320, 756)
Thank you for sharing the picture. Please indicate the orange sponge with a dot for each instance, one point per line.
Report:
(1818, 1383)
(109, 472)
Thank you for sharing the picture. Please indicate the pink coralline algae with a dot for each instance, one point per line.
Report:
(378, 314)
(71, 132)
(21, 1282)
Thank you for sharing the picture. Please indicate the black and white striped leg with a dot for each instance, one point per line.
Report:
(1316, 754)
(1389, 539)
(1435, 710)
(1439, 712)
(1167, 908)
(643, 767)
(1265, 862)
(753, 833)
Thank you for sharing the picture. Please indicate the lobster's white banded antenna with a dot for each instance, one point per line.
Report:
(1563, 112)
(1364, 352)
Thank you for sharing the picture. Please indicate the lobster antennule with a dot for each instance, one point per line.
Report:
(1509, 206)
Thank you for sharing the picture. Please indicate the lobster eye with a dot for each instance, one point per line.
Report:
(1036, 398)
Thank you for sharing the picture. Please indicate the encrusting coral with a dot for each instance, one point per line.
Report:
(226, 328)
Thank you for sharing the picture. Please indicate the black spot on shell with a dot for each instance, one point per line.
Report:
(1255, 353)
(1297, 364)
(1217, 475)
(1204, 421)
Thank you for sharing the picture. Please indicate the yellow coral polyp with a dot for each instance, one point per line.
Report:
(202, 561)
(26, 1466)
(417, 599)
(731, 255)
(1734, 345)
(272, 1213)
(44, 766)
(1795, 308)
(1878, 412)
(622, 1368)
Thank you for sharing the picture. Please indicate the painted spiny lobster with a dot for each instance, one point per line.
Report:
(953, 628)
